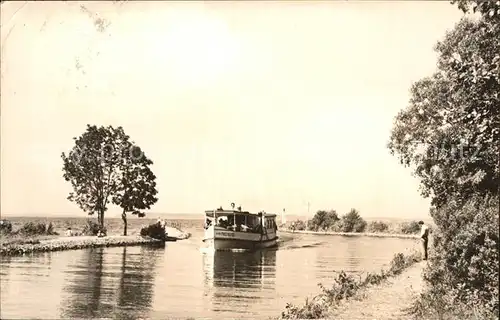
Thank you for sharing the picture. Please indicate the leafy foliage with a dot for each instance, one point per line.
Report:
(378, 226)
(137, 190)
(92, 229)
(410, 227)
(352, 222)
(5, 227)
(36, 229)
(451, 128)
(105, 165)
(490, 10)
(466, 269)
(450, 135)
(323, 220)
(298, 225)
(155, 231)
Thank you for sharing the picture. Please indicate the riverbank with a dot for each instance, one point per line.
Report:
(73, 243)
(387, 301)
(43, 235)
(338, 301)
(353, 234)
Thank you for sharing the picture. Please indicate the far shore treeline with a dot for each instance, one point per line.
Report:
(352, 221)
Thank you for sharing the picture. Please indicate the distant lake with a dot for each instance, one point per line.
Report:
(181, 281)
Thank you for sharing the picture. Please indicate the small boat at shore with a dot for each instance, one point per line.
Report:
(237, 229)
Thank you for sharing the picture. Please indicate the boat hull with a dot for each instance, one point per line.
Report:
(231, 244)
(221, 239)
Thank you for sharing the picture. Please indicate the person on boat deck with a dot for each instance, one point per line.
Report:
(69, 232)
(222, 222)
(244, 228)
(424, 237)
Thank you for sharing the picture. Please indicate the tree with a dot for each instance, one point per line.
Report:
(490, 10)
(324, 220)
(450, 135)
(450, 131)
(138, 187)
(352, 222)
(101, 166)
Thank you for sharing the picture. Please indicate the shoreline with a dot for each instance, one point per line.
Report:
(353, 234)
(76, 243)
(351, 298)
(391, 299)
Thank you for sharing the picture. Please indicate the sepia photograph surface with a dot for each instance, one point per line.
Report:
(250, 159)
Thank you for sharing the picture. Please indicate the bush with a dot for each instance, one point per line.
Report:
(5, 227)
(36, 229)
(464, 268)
(378, 226)
(323, 220)
(352, 222)
(154, 231)
(92, 228)
(410, 227)
(298, 225)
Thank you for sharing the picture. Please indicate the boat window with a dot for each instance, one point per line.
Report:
(242, 222)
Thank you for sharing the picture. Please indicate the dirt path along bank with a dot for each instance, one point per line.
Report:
(386, 301)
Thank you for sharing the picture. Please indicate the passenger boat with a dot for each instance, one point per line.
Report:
(237, 229)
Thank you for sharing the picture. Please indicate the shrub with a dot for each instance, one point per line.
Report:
(410, 227)
(298, 225)
(323, 220)
(35, 229)
(378, 226)
(92, 228)
(5, 227)
(352, 222)
(154, 231)
(464, 269)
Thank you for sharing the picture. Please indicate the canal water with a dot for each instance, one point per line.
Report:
(182, 281)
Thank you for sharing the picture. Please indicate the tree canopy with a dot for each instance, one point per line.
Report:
(450, 134)
(105, 166)
(450, 131)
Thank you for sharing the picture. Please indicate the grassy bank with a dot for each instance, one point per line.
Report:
(345, 287)
(22, 236)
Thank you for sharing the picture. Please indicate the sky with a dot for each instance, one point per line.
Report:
(269, 105)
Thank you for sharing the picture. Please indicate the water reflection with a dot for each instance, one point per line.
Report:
(4, 272)
(181, 282)
(240, 269)
(354, 246)
(108, 282)
(236, 281)
(135, 292)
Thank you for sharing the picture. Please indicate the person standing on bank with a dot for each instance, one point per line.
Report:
(424, 237)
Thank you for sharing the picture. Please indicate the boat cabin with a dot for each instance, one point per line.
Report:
(240, 221)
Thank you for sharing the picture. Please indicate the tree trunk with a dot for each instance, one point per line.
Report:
(124, 218)
(100, 219)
